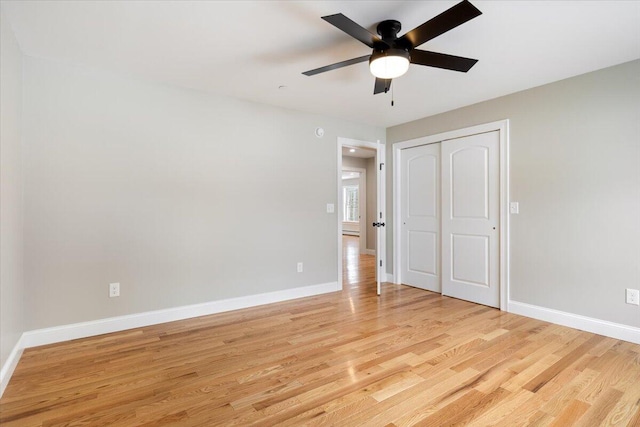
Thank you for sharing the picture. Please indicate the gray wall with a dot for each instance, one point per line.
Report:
(370, 166)
(11, 184)
(575, 169)
(180, 196)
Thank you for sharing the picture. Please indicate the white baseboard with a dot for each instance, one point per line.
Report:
(121, 323)
(10, 365)
(589, 324)
(389, 278)
(369, 252)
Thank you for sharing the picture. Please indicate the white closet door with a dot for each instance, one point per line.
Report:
(420, 210)
(470, 218)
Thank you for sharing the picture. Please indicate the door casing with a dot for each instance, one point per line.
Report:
(381, 263)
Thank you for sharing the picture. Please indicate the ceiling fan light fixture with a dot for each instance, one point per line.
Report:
(389, 63)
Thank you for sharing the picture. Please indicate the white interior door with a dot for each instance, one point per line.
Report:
(420, 211)
(470, 218)
(381, 247)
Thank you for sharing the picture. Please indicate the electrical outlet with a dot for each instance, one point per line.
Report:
(114, 290)
(633, 296)
(299, 267)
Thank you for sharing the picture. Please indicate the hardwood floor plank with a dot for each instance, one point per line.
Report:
(349, 358)
(600, 409)
(571, 414)
(465, 409)
(497, 413)
(568, 393)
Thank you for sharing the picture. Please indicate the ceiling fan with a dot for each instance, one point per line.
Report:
(392, 54)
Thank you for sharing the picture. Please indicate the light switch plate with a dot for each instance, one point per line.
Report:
(330, 208)
(514, 208)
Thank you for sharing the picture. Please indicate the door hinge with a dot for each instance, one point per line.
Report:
(381, 164)
(380, 263)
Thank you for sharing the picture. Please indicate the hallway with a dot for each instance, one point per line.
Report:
(357, 269)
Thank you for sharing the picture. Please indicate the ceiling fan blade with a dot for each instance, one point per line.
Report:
(382, 85)
(447, 20)
(337, 65)
(442, 60)
(353, 29)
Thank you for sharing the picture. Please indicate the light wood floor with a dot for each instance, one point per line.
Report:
(408, 357)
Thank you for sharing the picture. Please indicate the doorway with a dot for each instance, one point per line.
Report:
(358, 269)
(451, 202)
(367, 158)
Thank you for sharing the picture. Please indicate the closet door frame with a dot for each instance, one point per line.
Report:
(502, 127)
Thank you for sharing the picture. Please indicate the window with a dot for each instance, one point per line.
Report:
(350, 200)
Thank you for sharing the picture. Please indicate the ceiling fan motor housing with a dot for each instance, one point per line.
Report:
(389, 29)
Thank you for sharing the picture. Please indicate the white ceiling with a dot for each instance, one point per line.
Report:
(247, 49)
(360, 152)
(350, 175)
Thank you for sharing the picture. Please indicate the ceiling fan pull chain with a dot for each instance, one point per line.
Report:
(392, 96)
